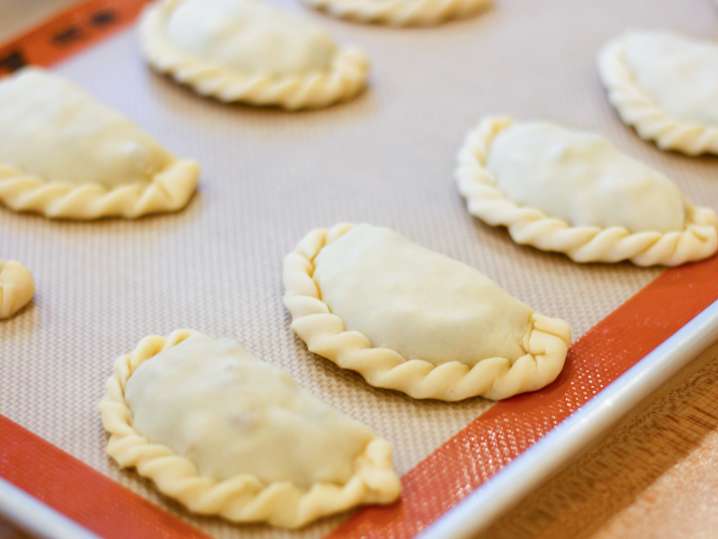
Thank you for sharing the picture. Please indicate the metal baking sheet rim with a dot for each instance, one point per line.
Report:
(508, 486)
(592, 419)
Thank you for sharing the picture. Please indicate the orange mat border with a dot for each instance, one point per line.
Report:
(82, 494)
(68, 32)
(437, 483)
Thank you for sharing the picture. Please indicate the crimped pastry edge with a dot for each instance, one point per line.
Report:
(243, 498)
(16, 287)
(347, 77)
(169, 190)
(545, 343)
(400, 12)
(530, 226)
(638, 109)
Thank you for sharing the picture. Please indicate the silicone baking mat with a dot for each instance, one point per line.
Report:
(267, 178)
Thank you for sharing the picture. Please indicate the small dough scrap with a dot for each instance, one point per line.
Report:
(64, 155)
(666, 86)
(251, 52)
(574, 192)
(401, 12)
(189, 408)
(16, 287)
(410, 319)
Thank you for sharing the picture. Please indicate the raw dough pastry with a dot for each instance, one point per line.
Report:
(64, 155)
(226, 434)
(16, 287)
(413, 320)
(400, 12)
(248, 51)
(666, 86)
(574, 192)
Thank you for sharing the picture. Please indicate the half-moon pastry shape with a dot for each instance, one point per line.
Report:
(16, 287)
(666, 86)
(226, 434)
(64, 155)
(413, 320)
(574, 192)
(400, 12)
(248, 51)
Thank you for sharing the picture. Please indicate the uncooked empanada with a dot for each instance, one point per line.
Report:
(413, 320)
(16, 287)
(666, 86)
(400, 12)
(226, 434)
(251, 52)
(64, 155)
(570, 191)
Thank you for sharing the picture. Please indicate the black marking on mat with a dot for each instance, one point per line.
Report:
(13, 60)
(103, 17)
(66, 36)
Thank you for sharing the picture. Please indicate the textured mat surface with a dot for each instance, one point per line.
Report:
(269, 176)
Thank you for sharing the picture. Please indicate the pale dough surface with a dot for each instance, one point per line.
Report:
(16, 287)
(582, 178)
(250, 37)
(420, 303)
(212, 402)
(52, 129)
(680, 73)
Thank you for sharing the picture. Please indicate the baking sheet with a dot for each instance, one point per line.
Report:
(269, 176)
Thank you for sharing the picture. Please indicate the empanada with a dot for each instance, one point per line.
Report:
(16, 287)
(413, 320)
(571, 191)
(400, 12)
(64, 155)
(666, 86)
(251, 52)
(226, 434)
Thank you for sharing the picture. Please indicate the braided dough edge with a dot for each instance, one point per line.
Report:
(545, 343)
(638, 109)
(400, 12)
(346, 78)
(16, 287)
(170, 190)
(530, 226)
(243, 498)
